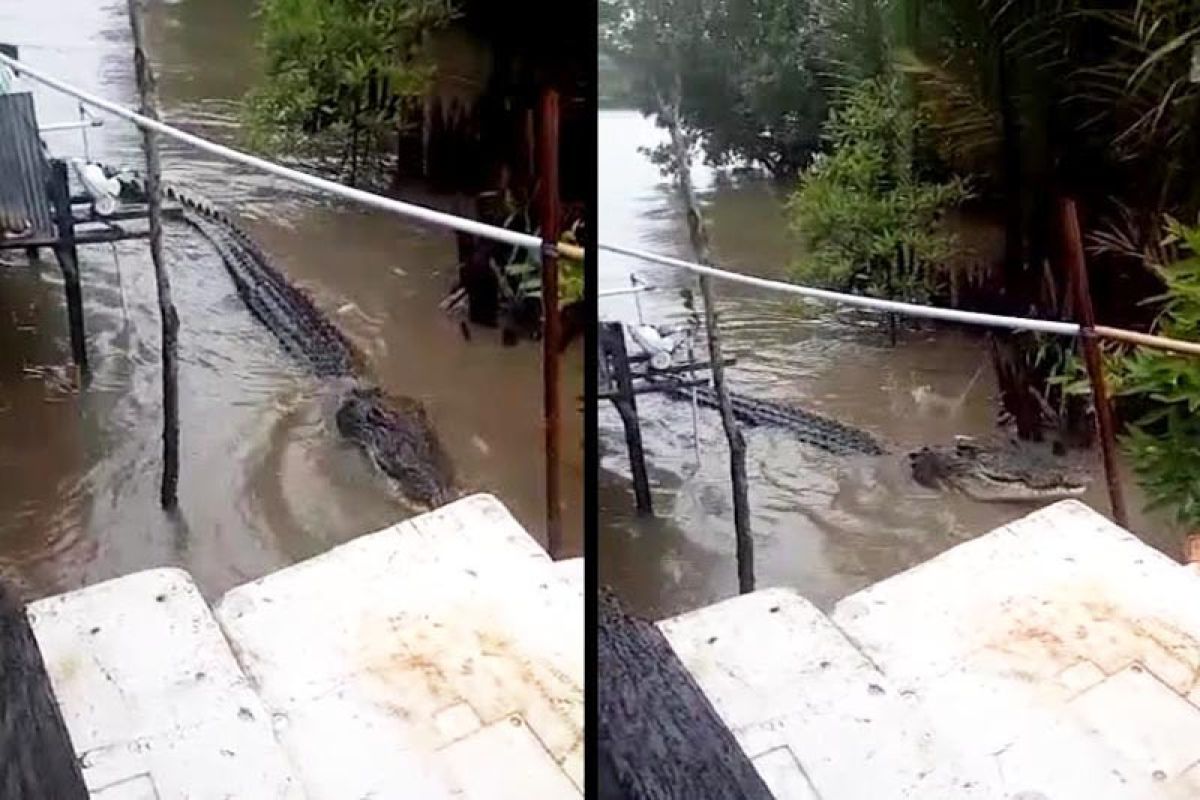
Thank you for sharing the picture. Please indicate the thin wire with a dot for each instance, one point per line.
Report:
(636, 300)
(120, 284)
(695, 395)
(83, 118)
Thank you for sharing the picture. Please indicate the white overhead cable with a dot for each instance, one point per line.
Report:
(409, 210)
(857, 301)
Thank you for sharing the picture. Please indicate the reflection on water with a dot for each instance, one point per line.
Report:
(824, 525)
(265, 480)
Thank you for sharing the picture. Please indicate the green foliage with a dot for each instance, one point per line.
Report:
(521, 279)
(750, 86)
(570, 272)
(1165, 440)
(868, 221)
(338, 69)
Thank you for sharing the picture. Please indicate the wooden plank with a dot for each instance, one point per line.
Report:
(37, 759)
(659, 737)
(99, 237)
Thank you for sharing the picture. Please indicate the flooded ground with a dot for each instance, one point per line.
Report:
(824, 525)
(265, 480)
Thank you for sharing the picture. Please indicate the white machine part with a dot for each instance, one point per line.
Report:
(660, 348)
(102, 189)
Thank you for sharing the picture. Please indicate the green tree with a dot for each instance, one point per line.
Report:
(751, 89)
(339, 72)
(870, 221)
(1038, 99)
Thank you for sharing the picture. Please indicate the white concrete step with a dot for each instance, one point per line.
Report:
(814, 715)
(1060, 648)
(1052, 659)
(154, 701)
(572, 571)
(442, 657)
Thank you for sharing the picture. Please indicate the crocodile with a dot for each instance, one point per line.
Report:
(1006, 471)
(998, 472)
(393, 431)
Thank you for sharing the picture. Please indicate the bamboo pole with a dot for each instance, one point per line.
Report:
(733, 433)
(1148, 340)
(550, 317)
(571, 251)
(1105, 426)
(166, 308)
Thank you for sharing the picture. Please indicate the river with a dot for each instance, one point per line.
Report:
(265, 479)
(823, 525)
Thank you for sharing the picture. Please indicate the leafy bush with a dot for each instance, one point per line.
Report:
(338, 68)
(869, 222)
(1165, 439)
(1160, 391)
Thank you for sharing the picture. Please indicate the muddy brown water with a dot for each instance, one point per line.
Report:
(824, 525)
(265, 479)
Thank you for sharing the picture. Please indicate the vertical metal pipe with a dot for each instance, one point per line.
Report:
(550, 317)
(1106, 429)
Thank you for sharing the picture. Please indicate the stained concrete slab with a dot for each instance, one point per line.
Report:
(816, 717)
(438, 658)
(154, 701)
(1055, 658)
(419, 650)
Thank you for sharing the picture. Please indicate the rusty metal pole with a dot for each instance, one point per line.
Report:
(1091, 355)
(550, 317)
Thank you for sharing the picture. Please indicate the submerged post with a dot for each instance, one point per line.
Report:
(68, 260)
(733, 433)
(550, 317)
(1091, 355)
(166, 308)
(612, 346)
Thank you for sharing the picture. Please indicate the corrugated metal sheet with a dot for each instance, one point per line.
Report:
(23, 168)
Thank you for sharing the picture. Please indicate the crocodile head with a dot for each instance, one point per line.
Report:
(1009, 472)
(397, 434)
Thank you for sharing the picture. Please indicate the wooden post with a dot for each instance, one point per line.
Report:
(1106, 429)
(166, 308)
(550, 318)
(68, 260)
(733, 433)
(658, 735)
(612, 346)
(37, 758)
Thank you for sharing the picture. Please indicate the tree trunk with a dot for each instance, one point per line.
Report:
(1013, 373)
(733, 433)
